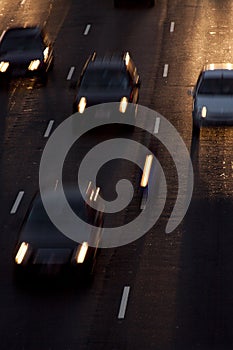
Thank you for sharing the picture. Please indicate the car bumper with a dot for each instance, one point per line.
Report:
(215, 120)
(23, 71)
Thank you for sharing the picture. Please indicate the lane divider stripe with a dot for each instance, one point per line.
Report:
(17, 202)
(86, 31)
(49, 128)
(165, 70)
(124, 301)
(71, 71)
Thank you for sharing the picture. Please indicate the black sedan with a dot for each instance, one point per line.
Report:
(149, 3)
(108, 78)
(43, 251)
(25, 51)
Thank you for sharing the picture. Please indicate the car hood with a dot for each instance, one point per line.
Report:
(102, 96)
(21, 56)
(215, 104)
(52, 256)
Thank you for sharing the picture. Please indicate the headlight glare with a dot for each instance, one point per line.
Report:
(21, 253)
(3, 66)
(81, 253)
(204, 112)
(34, 65)
(123, 104)
(82, 104)
(46, 53)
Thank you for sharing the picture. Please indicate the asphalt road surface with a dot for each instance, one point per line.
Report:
(164, 291)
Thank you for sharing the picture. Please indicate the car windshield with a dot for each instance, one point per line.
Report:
(105, 78)
(21, 43)
(216, 86)
(39, 216)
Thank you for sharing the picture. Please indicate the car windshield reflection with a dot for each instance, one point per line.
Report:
(213, 86)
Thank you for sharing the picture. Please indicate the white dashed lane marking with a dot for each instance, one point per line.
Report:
(49, 128)
(165, 70)
(87, 29)
(124, 301)
(71, 72)
(172, 27)
(156, 127)
(17, 202)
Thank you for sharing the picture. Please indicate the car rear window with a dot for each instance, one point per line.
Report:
(216, 86)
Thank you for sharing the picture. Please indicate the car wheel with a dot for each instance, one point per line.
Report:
(20, 276)
(116, 3)
(196, 128)
(151, 3)
(44, 78)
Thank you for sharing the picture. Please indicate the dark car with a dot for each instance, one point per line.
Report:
(213, 96)
(149, 3)
(42, 250)
(109, 78)
(25, 51)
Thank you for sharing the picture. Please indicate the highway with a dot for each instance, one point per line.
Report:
(164, 291)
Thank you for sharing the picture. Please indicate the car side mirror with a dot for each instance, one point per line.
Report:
(190, 91)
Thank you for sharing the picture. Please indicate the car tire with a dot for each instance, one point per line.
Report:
(51, 66)
(116, 3)
(196, 128)
(44, 78)
(20, 276)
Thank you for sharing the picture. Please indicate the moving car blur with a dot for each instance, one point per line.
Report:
(42, 250)
(25, 51)
(213, 96)
(149, 3)
(109, 78)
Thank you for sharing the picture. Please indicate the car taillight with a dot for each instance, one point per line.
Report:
(131, 96)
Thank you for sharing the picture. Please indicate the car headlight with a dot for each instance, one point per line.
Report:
(82, 104)
(34, 65)
(204, 112)
(3, 66)
(146, 170)
(21, 253)
(127, 58)
(81, 253)
(46, 53)
(123, 104)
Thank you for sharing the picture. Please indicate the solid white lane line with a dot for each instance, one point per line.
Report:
(49, 128)
(156, 127)
(124, 301)
(86, 31)
(17, 202)
(165, 70)
(172, 26)
(71, 71)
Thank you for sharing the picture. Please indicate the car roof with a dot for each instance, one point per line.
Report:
(106, 65)
(38, 228)
(109, 61)
(218, 70)
(217, 66)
